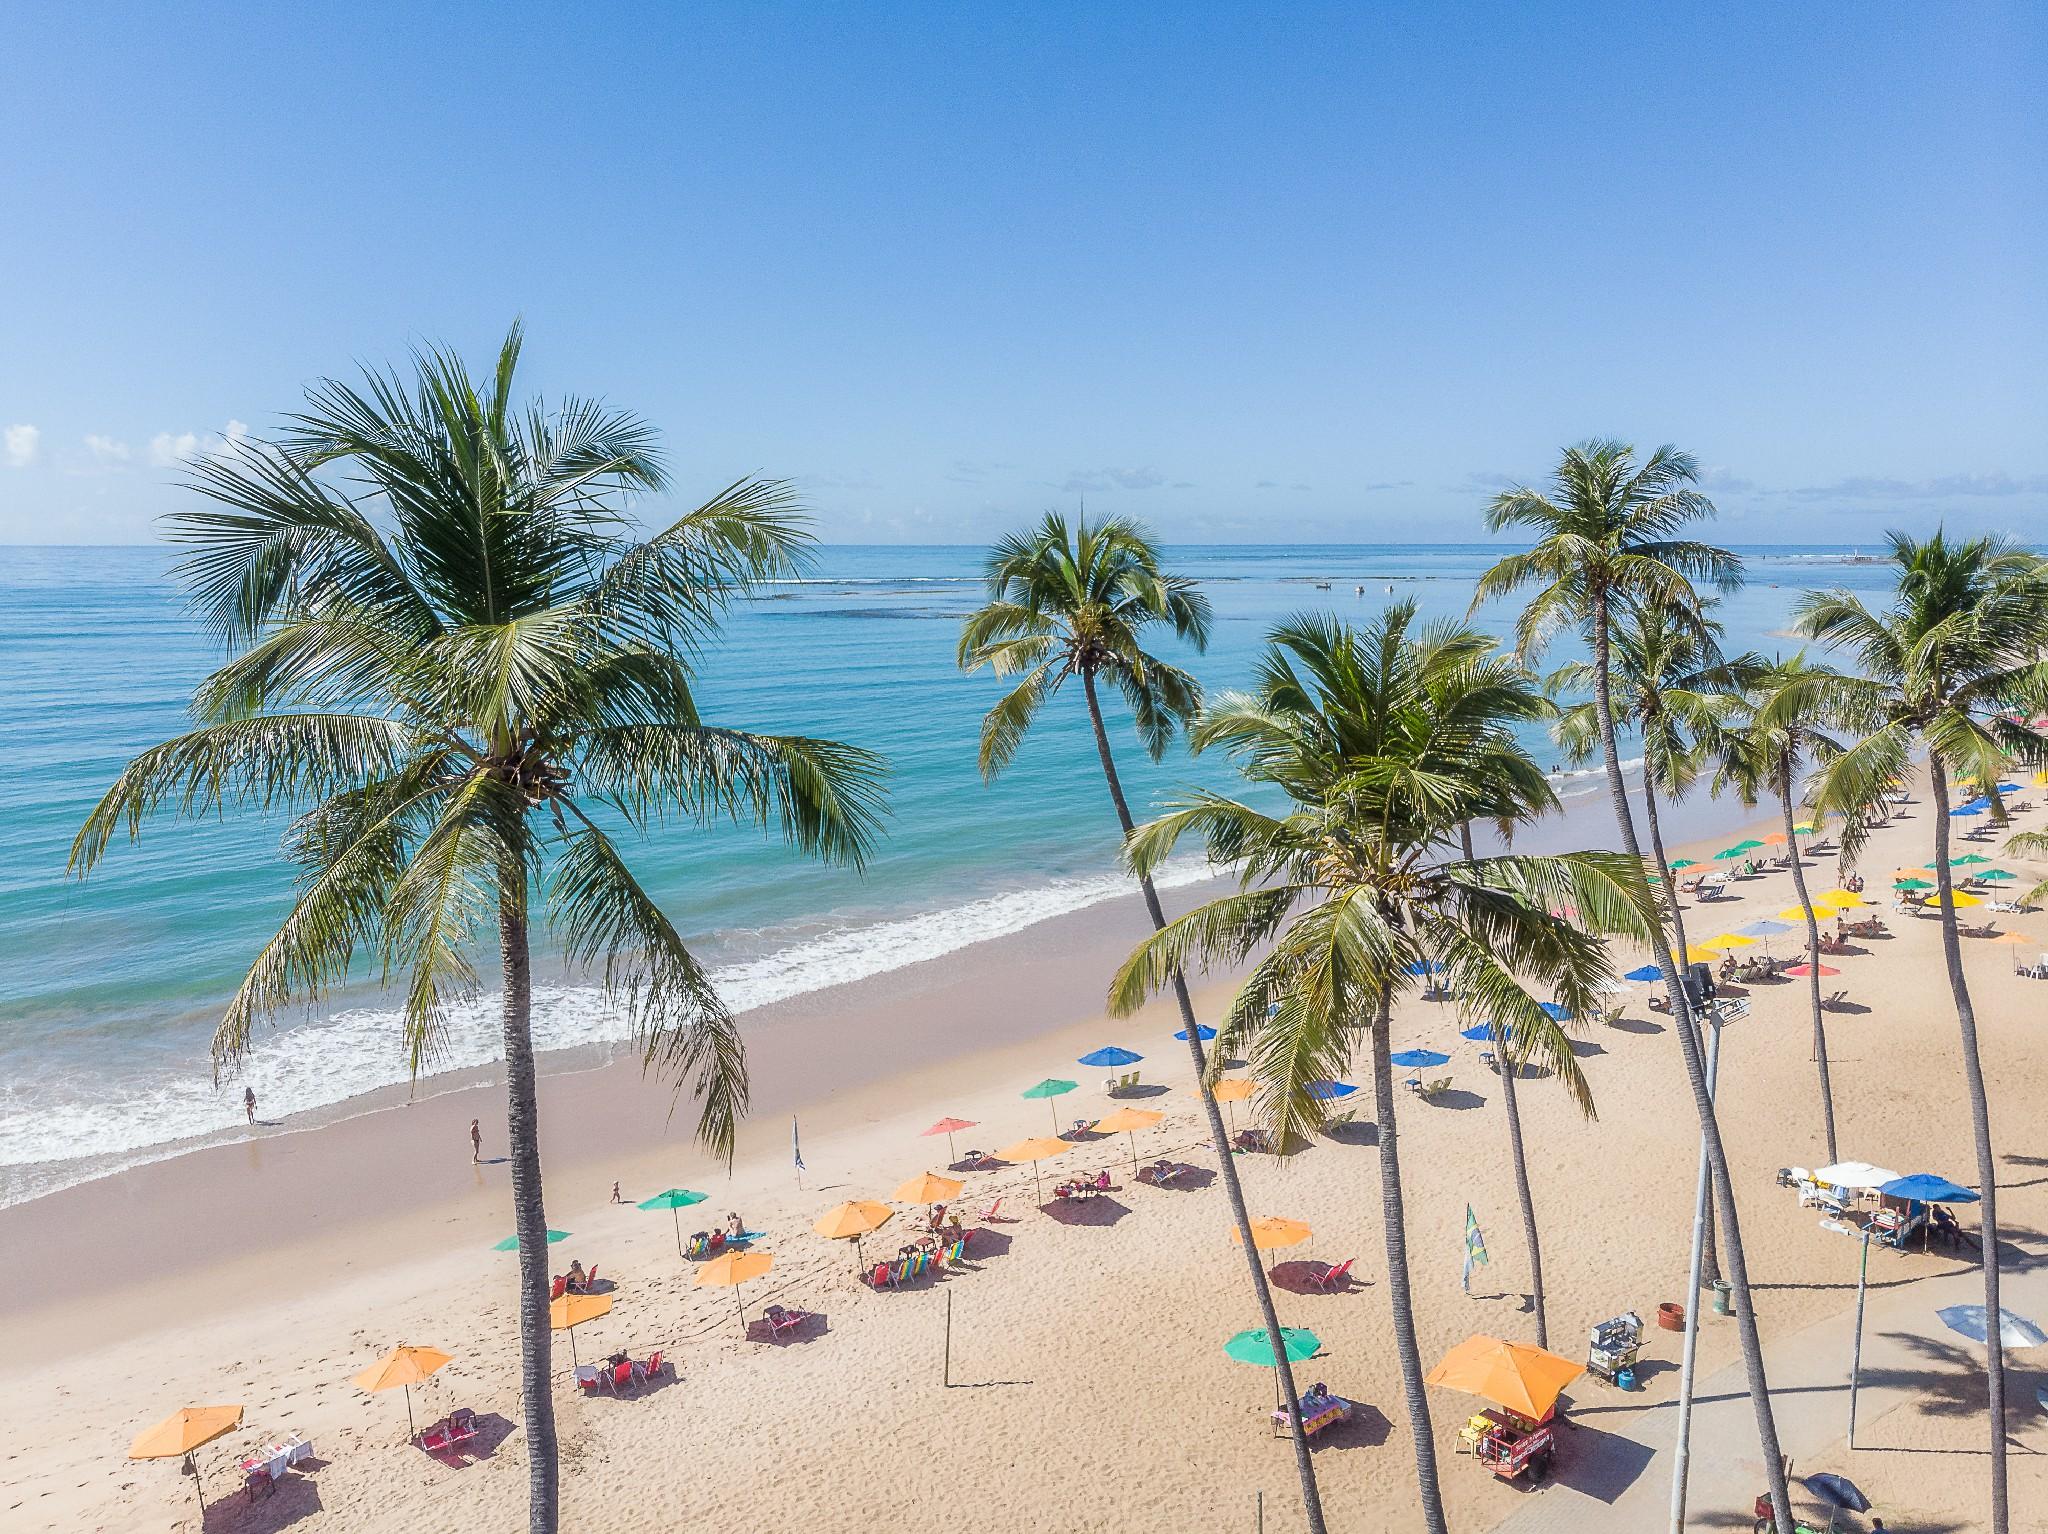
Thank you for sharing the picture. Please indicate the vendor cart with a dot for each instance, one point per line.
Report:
(1614, 1346)
(1511, 1445)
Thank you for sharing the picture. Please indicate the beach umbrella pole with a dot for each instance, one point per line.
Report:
(1856, 1357)
(676, 1216)
(410, 1431)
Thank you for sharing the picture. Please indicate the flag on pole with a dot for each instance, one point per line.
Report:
(1475, 1247)
(796, 1147)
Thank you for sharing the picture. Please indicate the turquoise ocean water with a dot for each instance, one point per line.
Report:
(109, 989)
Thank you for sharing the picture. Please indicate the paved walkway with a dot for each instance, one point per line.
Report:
(1614, 1467)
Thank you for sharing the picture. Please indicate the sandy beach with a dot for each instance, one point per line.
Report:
(1088, 1387)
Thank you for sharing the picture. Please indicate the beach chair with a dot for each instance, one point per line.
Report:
(434, 1440)
(1082, 1127)
(462, 1426)
(781, 1321)
(879, 1277)
(561, 1287)
(988, 1215)
(622, 1374)
(956, 1254)
(652, 1368)
(1128, 1082)
(1329, 1278)
(1436, 1088)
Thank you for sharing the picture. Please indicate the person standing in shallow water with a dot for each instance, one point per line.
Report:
(476, 1144)
(249, 1103)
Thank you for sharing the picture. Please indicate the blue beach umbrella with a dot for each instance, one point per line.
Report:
(1929, 1188)
(1417, 1058)
(1422, 967)
(1111, 1054)
(1555, 1012)
(1202, 1032)
(1324, 1091)
(1644, 972)
(1967, 809)
(1480, 1032)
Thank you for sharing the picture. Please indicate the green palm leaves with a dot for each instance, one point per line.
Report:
(1077, 600)
(464, 675)
(1383, 740)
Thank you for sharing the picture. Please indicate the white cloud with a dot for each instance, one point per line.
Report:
(232, 440)
(19, 444)
(167, 451)
(1112, 479)
(106, 449)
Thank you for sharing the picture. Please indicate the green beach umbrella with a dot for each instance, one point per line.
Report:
(1678, 863)
(511, 1243)
(1254, 1348)
(672, 1200)
(1998, 874)
(1048, 1089)
(1912, 884)
(1965, 861)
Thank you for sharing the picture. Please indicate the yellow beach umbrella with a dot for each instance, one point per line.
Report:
(179, 1434)
(1798, 913)
(1958, 899)
(856, 1217)
(402, 1367)
(1729, 940)
(1035, 1151)
(1127, 1122)
(1272, 1231)
(1840, 897)
(1695, 954)
(572, 1310)
(2014, 938)
(928, 1188)
(730, 1271)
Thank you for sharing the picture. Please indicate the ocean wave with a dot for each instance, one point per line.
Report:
(324, 1063)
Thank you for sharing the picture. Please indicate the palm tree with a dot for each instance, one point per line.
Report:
(1077, 601)
(1348, 897)
(1609, 534)
(1476, 693)
(1786, 707)
(1670, 683)
(450, 662)
(1960, 640)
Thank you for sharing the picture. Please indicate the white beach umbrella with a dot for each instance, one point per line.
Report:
(1855, 1174)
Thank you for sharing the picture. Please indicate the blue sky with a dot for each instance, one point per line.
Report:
(1252, 274)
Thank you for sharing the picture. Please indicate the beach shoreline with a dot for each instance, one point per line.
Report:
(287, 1261)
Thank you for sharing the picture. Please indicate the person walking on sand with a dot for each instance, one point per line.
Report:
(476, 1144)
(249, 1103)
(615, 1194)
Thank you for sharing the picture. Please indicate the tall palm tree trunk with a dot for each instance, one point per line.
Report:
(1394, 1219)
(1980, 1125)
(1509, 1068)
(529, 1220)
(1710, 1260)
(1703, 1102)
(1820, 1032)
(1304, 1466)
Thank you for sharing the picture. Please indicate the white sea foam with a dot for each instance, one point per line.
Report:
(325, 1062)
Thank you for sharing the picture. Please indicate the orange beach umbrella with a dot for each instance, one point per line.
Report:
(852, 1220)
(1272, 1231)
(1524, 1379)
(1035, 1151)
(402, 1367)
(1233, 1089)
(732, 1270)
(572, 1310)
(1127, 1122)
(928, 1188)
(183, 1431)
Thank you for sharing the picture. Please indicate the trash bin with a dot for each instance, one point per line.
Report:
(1723, 1290)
